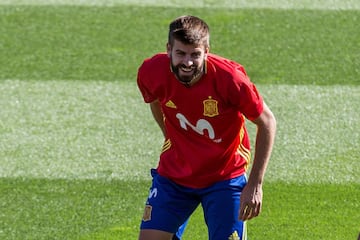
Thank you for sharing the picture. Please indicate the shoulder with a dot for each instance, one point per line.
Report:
(226, 69)
(224, 64)
(233, 82)
(157, 61)
(152, 75)
(154, 68)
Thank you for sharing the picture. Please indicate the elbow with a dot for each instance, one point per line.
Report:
(272, 121)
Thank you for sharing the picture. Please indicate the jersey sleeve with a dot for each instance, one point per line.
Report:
(143, 83)
(245, 96)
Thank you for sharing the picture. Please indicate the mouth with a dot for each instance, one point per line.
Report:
(187, 69)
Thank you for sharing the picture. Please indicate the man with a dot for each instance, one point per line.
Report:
(200, 101)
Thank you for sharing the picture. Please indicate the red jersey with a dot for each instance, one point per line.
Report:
(206, 139)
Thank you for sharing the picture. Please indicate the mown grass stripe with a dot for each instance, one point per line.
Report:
(97, 210)
(231, 4)
(103, 130)
(87, 43)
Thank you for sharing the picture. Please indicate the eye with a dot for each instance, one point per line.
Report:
(180, 53)
(196, 55)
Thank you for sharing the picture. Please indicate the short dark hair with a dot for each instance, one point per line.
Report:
(189, 30)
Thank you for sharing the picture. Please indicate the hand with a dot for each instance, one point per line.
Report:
(250, 202)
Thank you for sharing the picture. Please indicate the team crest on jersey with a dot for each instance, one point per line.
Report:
(210, 107)
(147, 213)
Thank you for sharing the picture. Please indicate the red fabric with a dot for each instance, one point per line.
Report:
(206, 137)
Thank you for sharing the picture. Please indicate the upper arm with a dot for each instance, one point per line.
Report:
(266, 118)
(158, 114)
(155, 108)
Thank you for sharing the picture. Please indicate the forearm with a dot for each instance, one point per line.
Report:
(251, 197)
(266, 128)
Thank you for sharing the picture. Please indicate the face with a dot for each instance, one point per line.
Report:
(187, 61)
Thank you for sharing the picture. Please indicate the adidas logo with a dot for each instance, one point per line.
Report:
(170, 104)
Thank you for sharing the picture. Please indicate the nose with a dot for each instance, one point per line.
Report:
(188, 61)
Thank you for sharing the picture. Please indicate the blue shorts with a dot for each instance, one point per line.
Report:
(169, 206)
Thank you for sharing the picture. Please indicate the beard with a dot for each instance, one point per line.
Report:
(187, 78)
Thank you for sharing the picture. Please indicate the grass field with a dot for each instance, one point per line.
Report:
(77, 141)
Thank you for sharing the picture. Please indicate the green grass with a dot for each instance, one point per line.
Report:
(77, 142)
(103, 43)
(101, 129)
(68, 209)
(97, 209)
(292, 211)
(280, 4)
(75, 158)
(72, 129)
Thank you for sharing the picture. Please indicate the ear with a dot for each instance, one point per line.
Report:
(168, 49)
(207, 50)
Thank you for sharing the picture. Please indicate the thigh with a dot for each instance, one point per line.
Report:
(151, 234)
(221, 203)
(168, 205)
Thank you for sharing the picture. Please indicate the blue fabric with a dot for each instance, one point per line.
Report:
(170, 205)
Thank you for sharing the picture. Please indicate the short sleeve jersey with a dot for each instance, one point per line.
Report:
(206, 139)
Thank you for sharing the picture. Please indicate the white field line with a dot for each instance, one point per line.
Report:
(278, 4)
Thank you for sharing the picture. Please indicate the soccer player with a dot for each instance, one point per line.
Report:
(200, 102)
